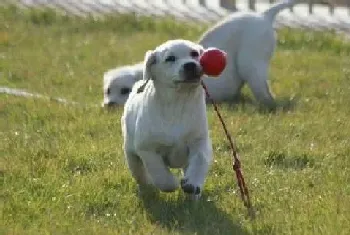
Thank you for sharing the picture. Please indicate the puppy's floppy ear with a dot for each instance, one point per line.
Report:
(200, 49)
(138, 75)
(150, 59)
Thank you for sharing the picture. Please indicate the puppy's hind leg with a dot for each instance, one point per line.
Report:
(256, 76)
(253, 62)
(159, 173)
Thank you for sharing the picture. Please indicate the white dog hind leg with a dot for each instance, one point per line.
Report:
(194, 174)
(253, 63)
(159, 173)
(257, 78)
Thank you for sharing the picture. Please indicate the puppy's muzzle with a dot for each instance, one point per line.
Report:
(110, 105)
(192, 72)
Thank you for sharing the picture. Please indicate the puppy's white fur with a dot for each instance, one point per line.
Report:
(165, 126)
(249, 40)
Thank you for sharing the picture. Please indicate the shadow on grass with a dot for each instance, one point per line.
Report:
(286, 103)
(245, 103)
(285, 161)
(190, 217)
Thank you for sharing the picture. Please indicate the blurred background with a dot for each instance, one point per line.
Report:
(315, 14)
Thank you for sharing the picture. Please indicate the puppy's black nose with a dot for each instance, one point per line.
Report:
(192, 71)
(190, 67)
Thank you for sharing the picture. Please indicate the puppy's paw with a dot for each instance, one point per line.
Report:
(190, 188)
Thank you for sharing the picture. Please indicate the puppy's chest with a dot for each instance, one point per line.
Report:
(174, 156)
(172, 133)
(173, 143)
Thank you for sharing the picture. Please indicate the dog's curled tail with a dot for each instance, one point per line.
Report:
(270, 13)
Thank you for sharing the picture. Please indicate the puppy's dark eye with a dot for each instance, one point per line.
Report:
(125, 91)
(194, 54)
(108, 91)
(170, 58)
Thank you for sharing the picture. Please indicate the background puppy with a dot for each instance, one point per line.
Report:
(118, 82)
(165, 126)
(249, 40)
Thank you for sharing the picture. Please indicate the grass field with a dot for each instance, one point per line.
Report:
(62, 168)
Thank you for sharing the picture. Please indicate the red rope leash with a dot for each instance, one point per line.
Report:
(236, 164)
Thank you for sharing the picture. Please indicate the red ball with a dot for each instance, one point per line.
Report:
(213, 61)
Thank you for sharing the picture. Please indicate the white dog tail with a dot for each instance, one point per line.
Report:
(271, 13)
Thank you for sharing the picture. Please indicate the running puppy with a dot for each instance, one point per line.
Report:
(165, 126)
(249, 41)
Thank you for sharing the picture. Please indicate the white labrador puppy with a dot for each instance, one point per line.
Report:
(249, 40)
(117, 83)
(165, 126)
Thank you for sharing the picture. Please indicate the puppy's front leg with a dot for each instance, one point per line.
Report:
(136, 167)
(200, 157)
(160, 174)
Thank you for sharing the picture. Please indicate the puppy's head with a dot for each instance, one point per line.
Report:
(117, 84)
(174, 63)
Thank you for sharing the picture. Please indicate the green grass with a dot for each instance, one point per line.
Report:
(62, 168)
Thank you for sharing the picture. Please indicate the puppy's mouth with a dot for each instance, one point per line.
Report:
(110, 105)
(191, 80)
(191, 77)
